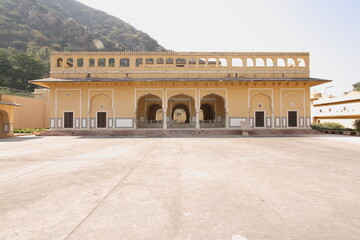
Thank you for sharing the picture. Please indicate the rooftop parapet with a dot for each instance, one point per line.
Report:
(175, 64)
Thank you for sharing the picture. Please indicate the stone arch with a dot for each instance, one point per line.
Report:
(147, 106)
(214, 110)
(260, 103)
(186, 101)
(181, 106)
(100, 102)
(300, 62)
(4, 122)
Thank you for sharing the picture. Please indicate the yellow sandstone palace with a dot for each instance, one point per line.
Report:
(131, 90)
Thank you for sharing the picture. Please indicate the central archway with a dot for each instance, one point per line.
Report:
(183, 106)
(176, 111)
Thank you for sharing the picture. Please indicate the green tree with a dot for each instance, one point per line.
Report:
(5, 68)
(356, 86)
(24, 68)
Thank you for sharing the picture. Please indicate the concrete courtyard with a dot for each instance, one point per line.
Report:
(238, 188)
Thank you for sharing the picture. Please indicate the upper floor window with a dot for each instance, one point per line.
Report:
(91, 62)
(125, 62)
(101, 62)
(80, 62)
(70, 62)
(169, 61)
(59, 62)
(112, 62)
(149, 61)
(159, 61)
(139, 62)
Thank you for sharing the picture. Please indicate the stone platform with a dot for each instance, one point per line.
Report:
(179, 132)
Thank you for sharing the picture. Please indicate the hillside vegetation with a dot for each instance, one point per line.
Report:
(37, 27)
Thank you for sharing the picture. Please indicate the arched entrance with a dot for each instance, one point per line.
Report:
(4, 122)
(149, 112)
(212, 107)
(181, 111)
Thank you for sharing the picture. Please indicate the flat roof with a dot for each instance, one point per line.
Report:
(177, 80)
(8, 103)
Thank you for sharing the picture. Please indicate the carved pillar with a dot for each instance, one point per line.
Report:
(197, 119)
(135, 120)
(164, 119)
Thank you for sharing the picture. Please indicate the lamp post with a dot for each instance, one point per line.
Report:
(327, 89)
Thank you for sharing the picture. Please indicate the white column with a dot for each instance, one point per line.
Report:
(135, 120)
(197, 119)
(164, 119)
(226, 119)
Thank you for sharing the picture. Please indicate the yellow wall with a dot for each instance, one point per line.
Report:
(32, 112)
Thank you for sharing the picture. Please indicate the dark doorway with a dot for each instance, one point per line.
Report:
(207, 112)
(68, 120)
(259, 119)
(101, 119)
(152, 111)
(185, 108)
(292, 117)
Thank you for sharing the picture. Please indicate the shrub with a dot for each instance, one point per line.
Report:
(328, 125)
(29, 130)
(356, 124)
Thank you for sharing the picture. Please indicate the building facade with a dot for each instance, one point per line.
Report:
(343, 109)
(130, 90)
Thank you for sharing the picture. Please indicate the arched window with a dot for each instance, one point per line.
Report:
(192, 61)
(91, 62)
(301, 62)
(70, 62)
(212, 62)
(281, 62)
(202, 61)
(290, 62)
(139, 62)
(223, 62)
(160, 61)
(237, 62)
(180, 62)
(169, 61)
(124, 62)
(149, 61)
(112, 62)
(59, 62)
(80, 62)
(249, 62)
(101, 62)
(260, 62)
(269, 62)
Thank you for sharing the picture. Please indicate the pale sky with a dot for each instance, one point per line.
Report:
(328, 29)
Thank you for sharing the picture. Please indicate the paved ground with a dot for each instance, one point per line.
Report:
(180, 188)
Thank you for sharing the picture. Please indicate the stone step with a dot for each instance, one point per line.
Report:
(179, 132)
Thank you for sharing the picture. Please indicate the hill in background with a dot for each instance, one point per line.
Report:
(40, 26)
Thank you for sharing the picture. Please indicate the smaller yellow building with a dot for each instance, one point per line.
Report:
(7, 108)
(171, 90)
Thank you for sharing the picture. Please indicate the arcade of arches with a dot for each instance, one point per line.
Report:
(180, 112)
